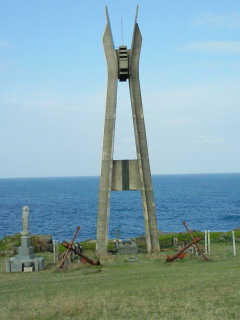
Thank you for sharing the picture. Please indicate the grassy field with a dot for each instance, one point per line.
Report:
(147, 289)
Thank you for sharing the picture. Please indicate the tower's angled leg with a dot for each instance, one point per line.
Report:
(141, 145)
(108, 139)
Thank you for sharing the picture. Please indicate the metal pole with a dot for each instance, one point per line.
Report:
(208, 242)
(234, 245)
(54, 251)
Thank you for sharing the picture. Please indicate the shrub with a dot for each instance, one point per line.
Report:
(9, 243)
(38, 244)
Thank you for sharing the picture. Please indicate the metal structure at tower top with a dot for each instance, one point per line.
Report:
(118, 175)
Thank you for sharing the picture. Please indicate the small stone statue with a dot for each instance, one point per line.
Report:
(25, 223)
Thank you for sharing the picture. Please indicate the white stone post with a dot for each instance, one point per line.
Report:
(206, 245)
(208, 242)
(234, 245)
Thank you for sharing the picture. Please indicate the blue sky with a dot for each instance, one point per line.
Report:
(53, 85)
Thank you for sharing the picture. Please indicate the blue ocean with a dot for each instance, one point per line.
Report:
(59, 205)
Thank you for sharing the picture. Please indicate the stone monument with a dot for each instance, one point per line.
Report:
(119, 175)
(127, 246)
(25, 260)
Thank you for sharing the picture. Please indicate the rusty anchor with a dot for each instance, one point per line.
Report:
(69, 246)
(196, 244)
(180, 254)
(84, 258)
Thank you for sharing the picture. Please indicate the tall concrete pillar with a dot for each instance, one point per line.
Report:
(118, 175)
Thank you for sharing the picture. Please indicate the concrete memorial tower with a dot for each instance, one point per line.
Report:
(119, 175)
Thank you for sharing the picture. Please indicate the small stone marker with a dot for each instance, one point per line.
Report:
(25, 260)
(132, 259)
(28, 269)
(126, 247)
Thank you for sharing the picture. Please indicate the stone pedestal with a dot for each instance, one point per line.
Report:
(25, 260)
(19, 264)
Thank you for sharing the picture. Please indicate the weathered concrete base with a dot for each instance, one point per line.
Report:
(25, 260)
(28, 269)
(106, 258)
(24, 265)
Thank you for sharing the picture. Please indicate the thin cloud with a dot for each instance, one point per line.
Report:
(214, 46)
(227, 21)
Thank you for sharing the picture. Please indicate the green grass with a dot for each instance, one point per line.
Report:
(187, 289)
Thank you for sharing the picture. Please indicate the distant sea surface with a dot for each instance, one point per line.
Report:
(59, 205)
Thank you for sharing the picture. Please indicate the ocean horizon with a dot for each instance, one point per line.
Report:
(59, 204)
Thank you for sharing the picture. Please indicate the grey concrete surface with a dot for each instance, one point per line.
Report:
(118, 175)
